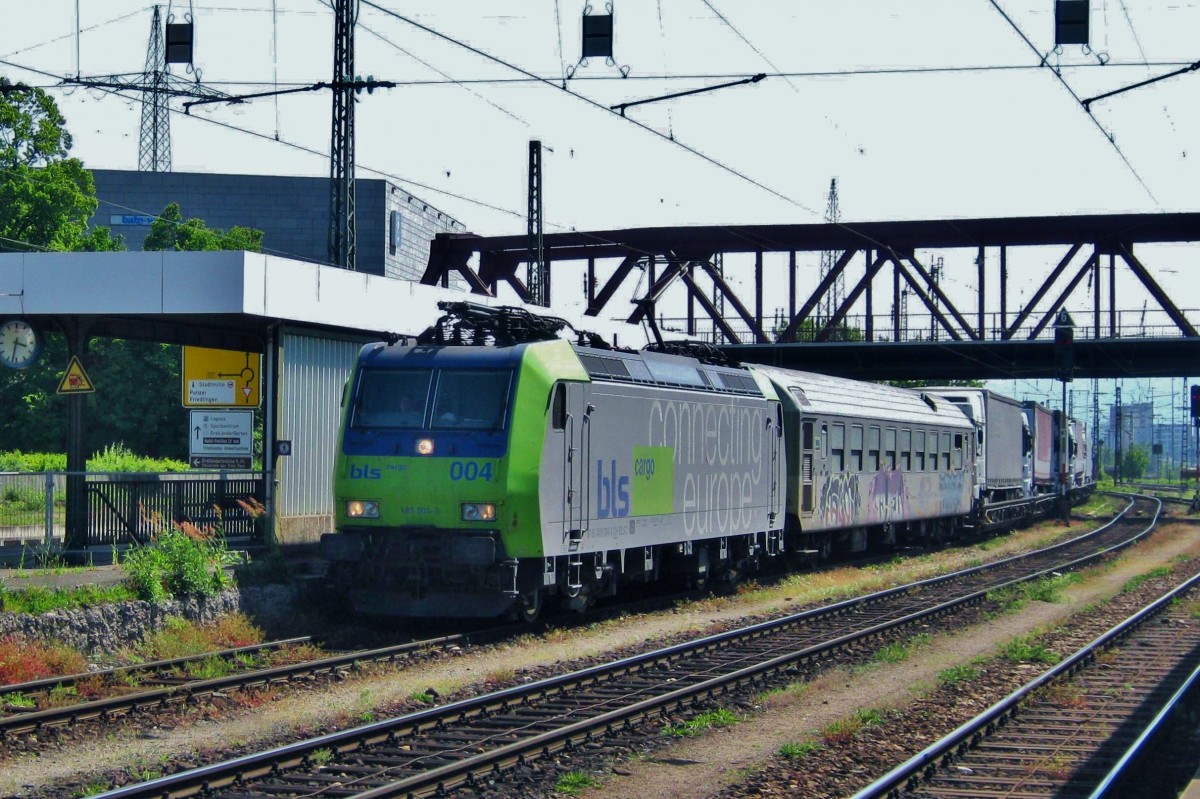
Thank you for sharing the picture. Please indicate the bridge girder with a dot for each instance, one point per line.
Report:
(688, 256)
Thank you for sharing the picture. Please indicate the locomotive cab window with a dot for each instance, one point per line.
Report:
(392, 397)
(471, 399)
(558, 407)
(958, 450)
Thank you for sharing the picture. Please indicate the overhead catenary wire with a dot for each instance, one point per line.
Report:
(1078, 99)
(399, 180)
(599, 106)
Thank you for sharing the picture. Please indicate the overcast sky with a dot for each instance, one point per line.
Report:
(990, 134)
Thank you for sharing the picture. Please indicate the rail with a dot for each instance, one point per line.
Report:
(407, 759)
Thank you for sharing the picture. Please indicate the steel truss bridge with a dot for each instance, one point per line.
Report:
(836, 330)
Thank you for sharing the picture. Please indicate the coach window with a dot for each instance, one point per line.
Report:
(837, 447)
(905, 450)
(919, 451)
(889, 448)
(946, 451)
(932, 463)
(856, 448)
(872, 449)
(824, 442)
(958, 451)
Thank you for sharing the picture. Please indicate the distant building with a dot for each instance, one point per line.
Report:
(1138, 427)
(1137, 424)
(394, 227)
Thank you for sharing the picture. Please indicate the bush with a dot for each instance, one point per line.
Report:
(22, 660)
(119, 458)
(115, 457)
(17, 461)
(180, 561)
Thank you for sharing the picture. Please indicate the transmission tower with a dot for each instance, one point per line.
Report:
(154, 144)
(157, 86)
(833, 297)
(539, 274)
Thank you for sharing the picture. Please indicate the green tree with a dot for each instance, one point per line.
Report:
(1134, 462)
(46, 198)
(170, 231)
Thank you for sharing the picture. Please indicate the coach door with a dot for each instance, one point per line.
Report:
(807, 440)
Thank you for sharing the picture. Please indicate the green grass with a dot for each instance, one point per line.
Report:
(1135, 582)
(796, 751)
(36, 599)
(209, 668)
(1049, 589)
(17, 699)
(573, 782)
(705, 721)
(1024, 650)
(1012, 598)
(90, 789)
(957, 674)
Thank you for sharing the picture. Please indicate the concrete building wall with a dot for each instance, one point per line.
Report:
(292, 212)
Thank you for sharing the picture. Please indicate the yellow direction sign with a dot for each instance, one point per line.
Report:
(75, 380)
(220, 378)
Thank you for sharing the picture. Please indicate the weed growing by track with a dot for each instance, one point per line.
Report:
(698, 724)
(181, 638)
(22, 660)
(796, 751)
(573, 782)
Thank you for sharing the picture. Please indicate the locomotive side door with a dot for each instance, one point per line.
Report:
(775, 509)
(576, 460)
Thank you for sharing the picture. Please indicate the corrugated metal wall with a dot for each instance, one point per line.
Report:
(313, 371)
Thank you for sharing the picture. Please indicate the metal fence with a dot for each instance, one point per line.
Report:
(129, 508)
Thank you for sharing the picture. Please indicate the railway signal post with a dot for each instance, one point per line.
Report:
(1064, 361)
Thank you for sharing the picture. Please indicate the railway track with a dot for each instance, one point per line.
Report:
(1077, 730)
(169, 682)
(436, 750)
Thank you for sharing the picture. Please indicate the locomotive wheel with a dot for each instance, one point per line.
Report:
(530, 607)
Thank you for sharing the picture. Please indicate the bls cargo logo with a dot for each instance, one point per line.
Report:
(612, 492)
(364, 472)
(650, 491)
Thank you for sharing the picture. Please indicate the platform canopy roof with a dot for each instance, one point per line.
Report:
(224, 300)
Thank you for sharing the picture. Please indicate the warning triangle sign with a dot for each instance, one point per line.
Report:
(75, 380)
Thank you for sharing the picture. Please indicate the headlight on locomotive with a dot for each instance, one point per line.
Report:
(478, 512)
(362, 509)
